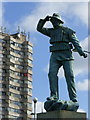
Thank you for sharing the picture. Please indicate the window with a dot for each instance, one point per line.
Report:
(15, 102)
(18, 45)
(23, 97)
(29, 105)
(20, 60)
(4, 78)
(0, 93)
(0, 78)
(29, 97)
(29, 54)
(4, 101)
(4, 86)
(1, 48)
(0, 101)
(12, 42)
(1, 55)
(18, 52)
(16, 80)
(15, 87)
(29, 47)
(15, 73)
(1, 40)
(28, 112)
(12, 64)
(14, 110)
(0, 114)
(4, 109)
(11, 49)
(4, 43)
(0, 108)
(4, 93)
(30, 61)
(16, 58)
(29, 90)
(10, 116)
(19, 66)
(4, 71)
(29, 68)
(12, 72)
(29, 83)
(1, 70)
(14, 95)
(12, 57)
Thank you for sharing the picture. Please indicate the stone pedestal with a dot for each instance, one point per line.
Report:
(61, 115)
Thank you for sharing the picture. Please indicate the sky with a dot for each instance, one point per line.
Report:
(26, 14)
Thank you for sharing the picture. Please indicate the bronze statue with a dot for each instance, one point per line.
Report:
(62, 40)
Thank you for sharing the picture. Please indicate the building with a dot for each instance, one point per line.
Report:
(15, 76)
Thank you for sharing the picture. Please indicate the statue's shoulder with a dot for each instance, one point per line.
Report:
(69, 30)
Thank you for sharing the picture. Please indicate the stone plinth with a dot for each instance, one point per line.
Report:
(62, 115)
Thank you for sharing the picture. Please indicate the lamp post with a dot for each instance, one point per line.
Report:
(35, 101)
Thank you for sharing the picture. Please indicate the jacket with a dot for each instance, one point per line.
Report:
(60, 37)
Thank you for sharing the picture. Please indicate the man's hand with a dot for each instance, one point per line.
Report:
(47, 18)
(85, 55)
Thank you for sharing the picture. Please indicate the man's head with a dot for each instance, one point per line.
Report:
(56, 20)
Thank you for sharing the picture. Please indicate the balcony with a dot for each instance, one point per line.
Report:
(14, 76)
(16, 48)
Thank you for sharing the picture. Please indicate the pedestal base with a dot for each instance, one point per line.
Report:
(62, 115)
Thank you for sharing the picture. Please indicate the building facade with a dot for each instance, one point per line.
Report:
(15, 76)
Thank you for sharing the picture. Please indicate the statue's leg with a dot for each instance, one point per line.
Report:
(53, 78)
(69, 75)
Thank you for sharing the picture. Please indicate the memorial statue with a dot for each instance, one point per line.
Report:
(62, 40)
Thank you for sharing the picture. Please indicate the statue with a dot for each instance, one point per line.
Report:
(62, 40)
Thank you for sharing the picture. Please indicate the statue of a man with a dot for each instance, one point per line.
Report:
(61, 40)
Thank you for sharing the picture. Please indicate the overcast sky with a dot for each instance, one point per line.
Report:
(26, 15)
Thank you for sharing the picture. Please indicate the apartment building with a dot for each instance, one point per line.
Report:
(15, 76)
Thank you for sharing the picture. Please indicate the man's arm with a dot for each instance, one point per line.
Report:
(40, 27)
(76, 44)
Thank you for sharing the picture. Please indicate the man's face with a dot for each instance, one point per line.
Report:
(55, 22)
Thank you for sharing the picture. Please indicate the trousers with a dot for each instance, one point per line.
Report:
(55, 64)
